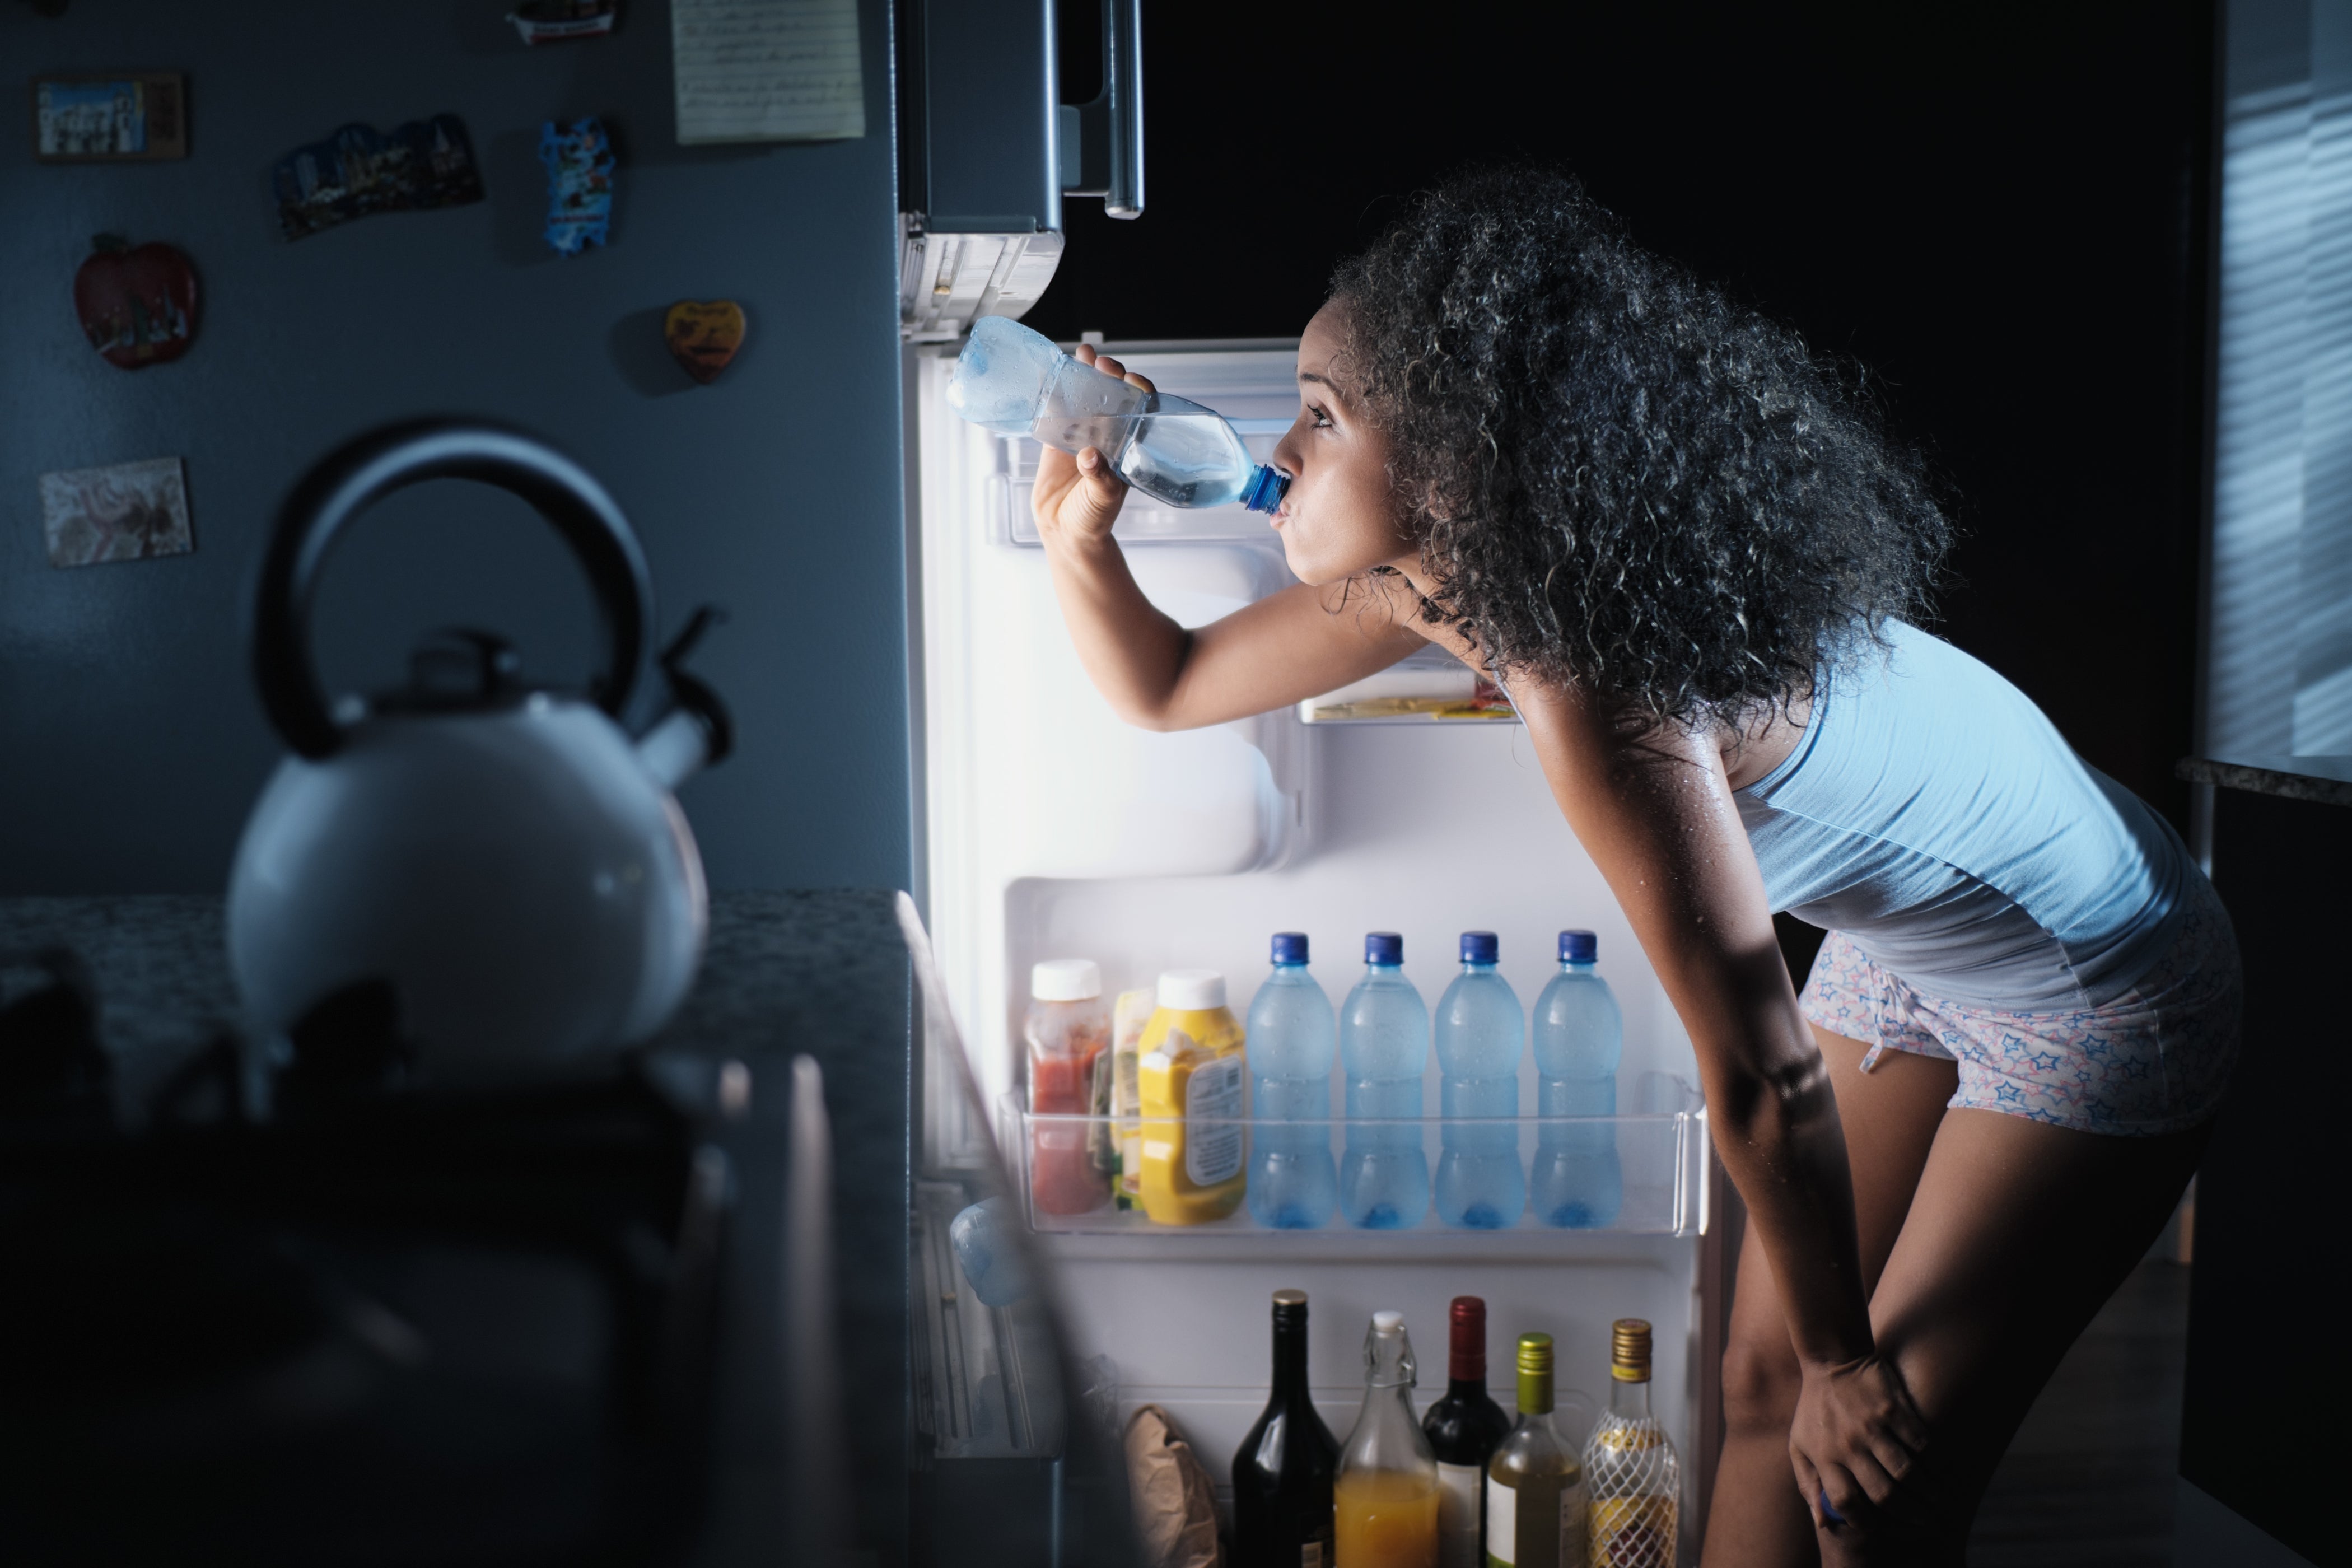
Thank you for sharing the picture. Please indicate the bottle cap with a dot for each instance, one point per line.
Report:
(1479, 947)
(1629, 1351)
(1535, 1373)
(1388, 1322)
(1267, 485)
(1289, 947)
(1466, 1346)
(1290, 1306)
(1065, 980)
(1290, 1298)
(1191, 990)
(1383, 947)
(1579, 947)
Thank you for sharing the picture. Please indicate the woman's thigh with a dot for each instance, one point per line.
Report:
(1889, 1116)
(2017, 1233)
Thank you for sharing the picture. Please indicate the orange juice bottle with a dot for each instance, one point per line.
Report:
(1385, 1499)
(1189, 1077)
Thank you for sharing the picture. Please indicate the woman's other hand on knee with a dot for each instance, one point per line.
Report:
(1858, 1435)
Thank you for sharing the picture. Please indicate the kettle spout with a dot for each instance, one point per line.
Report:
(697, 730)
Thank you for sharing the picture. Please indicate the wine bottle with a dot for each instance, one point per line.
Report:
(1464, 1429)
(1535, 1488)
(1385, 1498)
(1283, 1471)
(1635, 1477)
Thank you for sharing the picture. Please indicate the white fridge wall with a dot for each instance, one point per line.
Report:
(1057, 831)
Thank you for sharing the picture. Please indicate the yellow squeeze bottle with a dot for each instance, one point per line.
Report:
(1189, 1077)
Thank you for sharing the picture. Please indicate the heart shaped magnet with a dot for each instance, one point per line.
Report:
(704, 335)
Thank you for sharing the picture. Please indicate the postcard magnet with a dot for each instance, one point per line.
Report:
(137, 303)
(703, 335)
(117, 117)
(361, 170)
(125, 512)
(579, 161)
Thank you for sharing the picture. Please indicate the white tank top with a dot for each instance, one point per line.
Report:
(1936, 818)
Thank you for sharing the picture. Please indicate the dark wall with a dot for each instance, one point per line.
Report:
(1992, 207)
(2268, 1370)
(130, 743)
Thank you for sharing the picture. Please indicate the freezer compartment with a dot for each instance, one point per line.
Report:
(1659, 1153)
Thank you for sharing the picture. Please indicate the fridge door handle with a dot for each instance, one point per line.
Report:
(1123, 84)
(1101, 143)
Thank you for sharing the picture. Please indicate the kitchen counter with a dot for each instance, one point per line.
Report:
(823, 973)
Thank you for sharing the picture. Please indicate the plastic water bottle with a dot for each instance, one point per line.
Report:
(1293, 1183)
(1578, 1037)
(1017, 383)
(1384, 1046)
(1480, 1032)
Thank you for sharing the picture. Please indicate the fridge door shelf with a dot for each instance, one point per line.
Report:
(1057, 1162)
(1430, 687)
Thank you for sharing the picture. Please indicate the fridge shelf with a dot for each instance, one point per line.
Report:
(1060, 1163)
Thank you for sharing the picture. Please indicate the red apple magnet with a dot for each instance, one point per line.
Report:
(137, 303)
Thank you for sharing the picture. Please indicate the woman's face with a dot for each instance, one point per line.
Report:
(1338, 518)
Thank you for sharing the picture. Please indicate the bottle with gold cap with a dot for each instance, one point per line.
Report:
(1635, 1478)
(1535, 1488)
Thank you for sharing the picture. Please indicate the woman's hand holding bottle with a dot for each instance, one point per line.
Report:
(1076, 499)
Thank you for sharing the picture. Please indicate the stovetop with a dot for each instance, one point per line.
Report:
(296, 1308)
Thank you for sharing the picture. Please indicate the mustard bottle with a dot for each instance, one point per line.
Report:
(1190, 1078)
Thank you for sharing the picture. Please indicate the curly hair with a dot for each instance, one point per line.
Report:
(1617, 476)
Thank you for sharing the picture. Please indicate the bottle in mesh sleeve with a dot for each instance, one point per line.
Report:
(1635, 1477)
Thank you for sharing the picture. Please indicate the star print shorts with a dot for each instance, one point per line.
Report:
(2154, 1060)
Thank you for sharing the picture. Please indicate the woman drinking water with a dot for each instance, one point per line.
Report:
(1697, 565)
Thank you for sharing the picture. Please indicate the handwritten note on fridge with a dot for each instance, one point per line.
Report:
(767, 70)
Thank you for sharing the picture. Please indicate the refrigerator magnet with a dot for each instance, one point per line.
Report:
(360, 171)
(578, 158)
(553, 21)
(125, 512)
(704, 335)
(120, 117)
(137, 303)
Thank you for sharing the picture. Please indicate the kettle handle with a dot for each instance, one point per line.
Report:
(364, 471)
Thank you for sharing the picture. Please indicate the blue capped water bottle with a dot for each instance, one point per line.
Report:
(1293, 1183)
(1578, 1037)
(1480, 1031)
(1383, 1047)
(1017, 383)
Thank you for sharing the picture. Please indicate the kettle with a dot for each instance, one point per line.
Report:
(502, 867)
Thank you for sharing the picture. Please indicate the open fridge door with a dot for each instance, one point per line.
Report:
(1414, 805)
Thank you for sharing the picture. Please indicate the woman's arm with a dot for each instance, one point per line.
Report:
(1156, 675)
(1656, 814)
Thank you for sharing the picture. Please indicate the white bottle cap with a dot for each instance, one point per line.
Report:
(1191, 990)
(1065, 980)
(1388, 1322)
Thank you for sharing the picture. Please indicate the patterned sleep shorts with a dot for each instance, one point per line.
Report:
(2154, 1060)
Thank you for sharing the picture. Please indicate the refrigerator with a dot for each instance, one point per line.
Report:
(1051, 830)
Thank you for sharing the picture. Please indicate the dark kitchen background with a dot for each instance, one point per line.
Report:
(1998, 212)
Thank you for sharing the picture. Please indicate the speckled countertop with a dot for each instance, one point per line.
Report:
(823, 973)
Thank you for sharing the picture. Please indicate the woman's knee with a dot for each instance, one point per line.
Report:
(1761, 1384)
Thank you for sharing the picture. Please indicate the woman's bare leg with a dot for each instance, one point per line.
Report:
(1890, 1114)
(2018, 1233)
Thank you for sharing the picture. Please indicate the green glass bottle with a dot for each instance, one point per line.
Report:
(1534, 1486)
